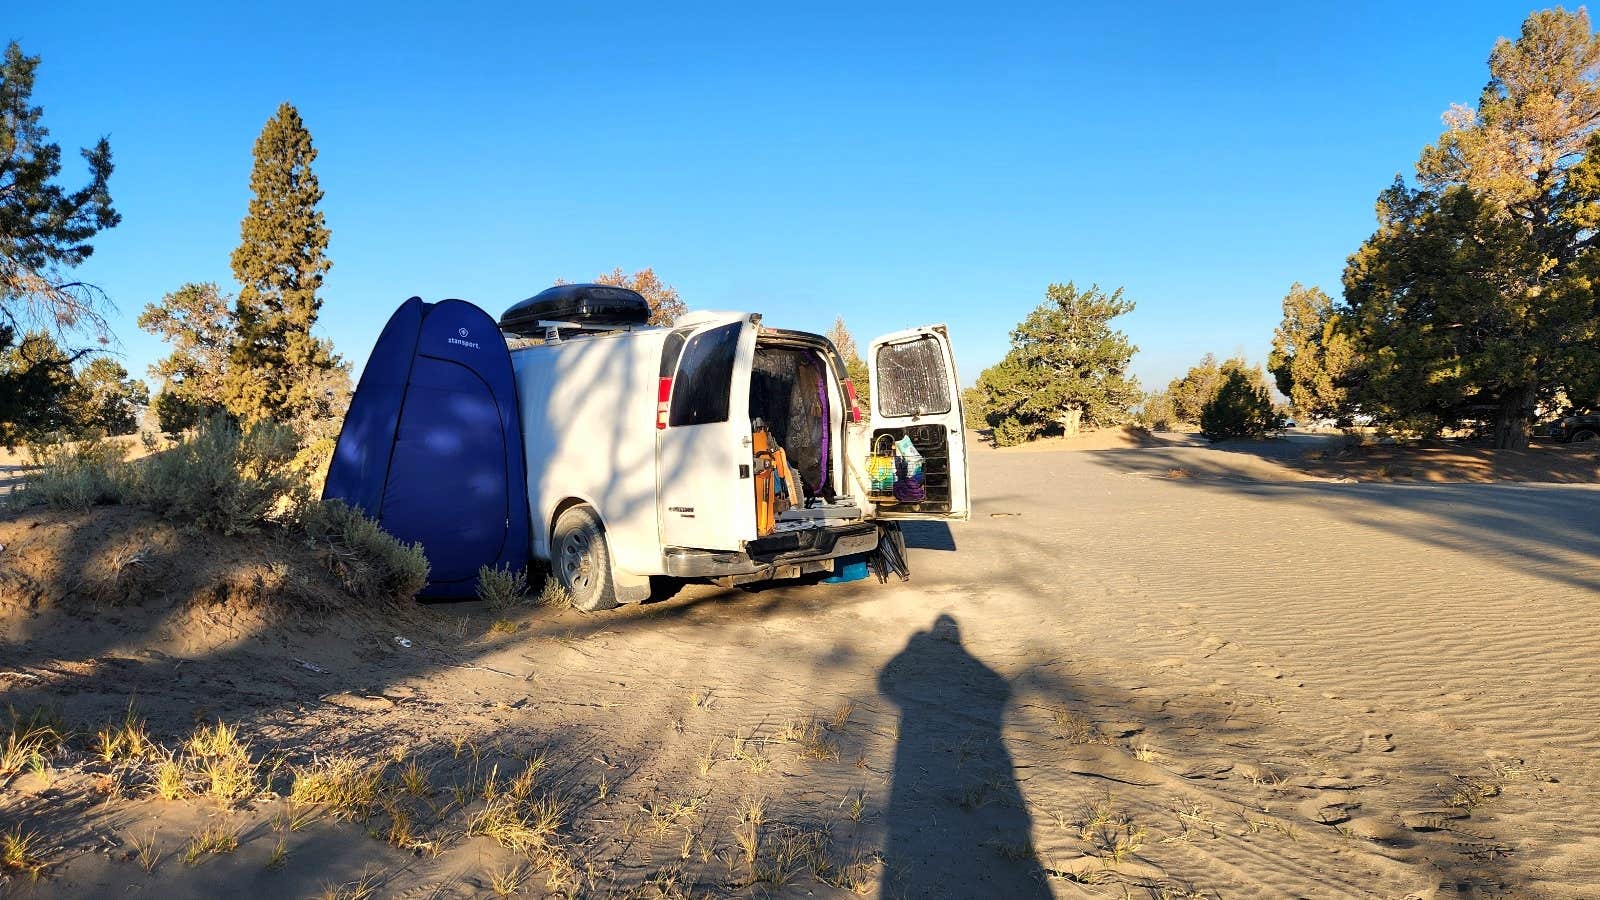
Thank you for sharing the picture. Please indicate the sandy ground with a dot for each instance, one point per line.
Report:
(1135, 671)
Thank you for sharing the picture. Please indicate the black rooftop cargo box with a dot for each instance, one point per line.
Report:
(587, 305)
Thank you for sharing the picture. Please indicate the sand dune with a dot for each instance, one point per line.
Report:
(1227, 682)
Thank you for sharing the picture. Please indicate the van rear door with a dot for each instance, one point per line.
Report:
(915, 394)
(703, 437)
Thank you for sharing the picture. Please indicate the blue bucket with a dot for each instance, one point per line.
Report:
(848, 568)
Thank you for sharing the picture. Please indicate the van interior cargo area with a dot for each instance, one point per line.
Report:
(789, 397)
(933, 442)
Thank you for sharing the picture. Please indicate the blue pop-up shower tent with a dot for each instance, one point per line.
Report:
(432, 445)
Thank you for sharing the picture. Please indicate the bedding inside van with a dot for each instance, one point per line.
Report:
(789, 394)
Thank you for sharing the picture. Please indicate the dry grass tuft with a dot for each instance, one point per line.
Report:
(212, 840)
(415, 780)
(523, 826)
(364, 888)
(223, 763)
(348, 786)
(747, 749)
(748, 820)
(171, 777)
(666, 815)
(280, 853)
(125, 741)
(841, 716)
(1113, 835)
(146, 851)
(812, 740)
(30, 741)
(504, 626)
(22, 851)
(553, 594)
(1076, 728)
(509, 880)
(529, 822)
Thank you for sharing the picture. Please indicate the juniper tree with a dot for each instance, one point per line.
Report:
(1475, 290)
(1189, 393)
(1312, 356)
(1240, 409)
(1067, 368)
(277, 369)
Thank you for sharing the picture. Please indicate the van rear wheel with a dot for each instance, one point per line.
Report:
(582, 561)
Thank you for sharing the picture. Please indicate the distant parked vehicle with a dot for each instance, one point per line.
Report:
(1574, 429)
(1285, 422)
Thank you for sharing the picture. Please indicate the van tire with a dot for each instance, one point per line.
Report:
(582, 560)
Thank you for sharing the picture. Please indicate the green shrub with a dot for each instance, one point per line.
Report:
(222, 478)
(1239, 410)
(1158, 413)
(974, 409)
(500, 588)
(1010, 432)
(78, 476)
(368, 561)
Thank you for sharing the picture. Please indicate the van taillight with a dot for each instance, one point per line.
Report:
(855, 406)
(663, 394)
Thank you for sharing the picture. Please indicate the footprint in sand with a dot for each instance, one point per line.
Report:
(1431, 819)
(1329, 809)
(1379, 831)
(1210, 770)
(1368, 741)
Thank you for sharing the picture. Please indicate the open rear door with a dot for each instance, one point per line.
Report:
(915, 394)
(703, 437)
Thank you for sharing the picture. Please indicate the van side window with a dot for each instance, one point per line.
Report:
(705, 377)
(912, 379)
(671, 350)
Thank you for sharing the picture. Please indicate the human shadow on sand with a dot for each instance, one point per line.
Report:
(956, 822)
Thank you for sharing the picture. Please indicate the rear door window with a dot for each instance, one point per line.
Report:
(705, 377)
(912, 379)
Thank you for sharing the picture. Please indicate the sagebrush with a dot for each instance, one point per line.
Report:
(219, 478)
(502, 588)
(233, 480)
(368, 561)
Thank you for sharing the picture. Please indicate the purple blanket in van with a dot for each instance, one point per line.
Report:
(827, 420)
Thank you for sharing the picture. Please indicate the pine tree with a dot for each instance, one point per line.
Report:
(277, 369)
(45, 229)
(36, 387)
(1067, 367)
(197, 321)
(107, 401)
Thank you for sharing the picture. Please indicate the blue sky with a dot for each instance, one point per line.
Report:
(900, 165)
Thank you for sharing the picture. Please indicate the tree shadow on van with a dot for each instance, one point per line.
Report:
(957, 825)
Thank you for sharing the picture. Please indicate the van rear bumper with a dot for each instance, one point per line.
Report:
(782, 549)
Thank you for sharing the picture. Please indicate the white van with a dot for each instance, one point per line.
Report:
(642, 442)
